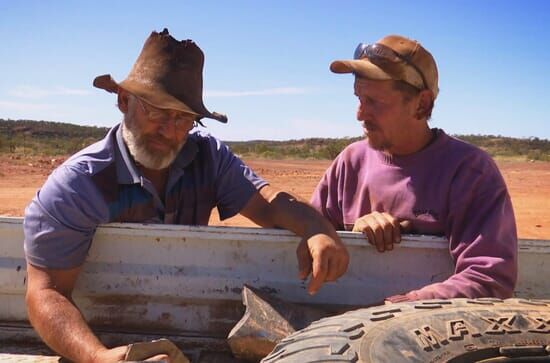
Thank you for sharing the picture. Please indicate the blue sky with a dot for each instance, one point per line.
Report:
(267, 61)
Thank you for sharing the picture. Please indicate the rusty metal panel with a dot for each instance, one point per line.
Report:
(171, 279)
(21, 343)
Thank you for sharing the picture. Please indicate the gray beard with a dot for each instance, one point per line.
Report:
(137, 147)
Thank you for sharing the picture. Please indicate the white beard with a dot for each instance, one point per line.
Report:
(137, 146)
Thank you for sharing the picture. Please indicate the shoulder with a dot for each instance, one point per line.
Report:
(86, 173)
(204, 138)
(355, 151)
(469, 157)
(472, 168)
(352, 158)
(93, 159)
(209, 148)
(354, 154)
(464, 148)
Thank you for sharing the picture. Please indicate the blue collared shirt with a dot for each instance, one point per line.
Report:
(101, 184)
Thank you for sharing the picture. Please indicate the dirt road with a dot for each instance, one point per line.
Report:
(528, 182)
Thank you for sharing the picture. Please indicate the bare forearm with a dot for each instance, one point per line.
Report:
(297, 216)
(61, 326)
(320, 253)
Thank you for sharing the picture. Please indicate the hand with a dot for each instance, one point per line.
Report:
(381, 229)
(110, 355)
(325, 257)
(118, 354)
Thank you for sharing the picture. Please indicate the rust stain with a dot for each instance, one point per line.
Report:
(136, 324)
(166, 317)
(120, 300)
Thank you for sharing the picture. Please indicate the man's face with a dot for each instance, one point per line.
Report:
(153, 136)
(388, 119)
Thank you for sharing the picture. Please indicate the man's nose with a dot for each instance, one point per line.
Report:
(361, 111)
(168, 128)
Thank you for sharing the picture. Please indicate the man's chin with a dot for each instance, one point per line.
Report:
(377, 144)
(373, 142)
(153, 161)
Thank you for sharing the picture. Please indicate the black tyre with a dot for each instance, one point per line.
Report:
(457, 330)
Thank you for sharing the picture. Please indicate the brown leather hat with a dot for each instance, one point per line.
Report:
(167, 75)
(420, 69)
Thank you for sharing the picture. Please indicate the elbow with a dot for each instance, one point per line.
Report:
(506, 288)
(501, 291)
(502, 287)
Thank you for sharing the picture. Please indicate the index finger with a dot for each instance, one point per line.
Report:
(319, 274)
(396, 227)
(160, 358)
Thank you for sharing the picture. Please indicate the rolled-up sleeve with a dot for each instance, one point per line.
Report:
(235, 181)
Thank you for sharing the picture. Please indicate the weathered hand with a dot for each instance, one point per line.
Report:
(114, 355)
(118, 354)
(159, 358)
(324, 257)
(381, 229)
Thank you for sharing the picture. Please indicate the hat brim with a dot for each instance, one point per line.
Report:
(363, 68)
(155, 97)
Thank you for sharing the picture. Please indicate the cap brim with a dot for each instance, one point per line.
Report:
(362, 68)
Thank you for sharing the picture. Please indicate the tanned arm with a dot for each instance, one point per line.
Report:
(321, 251)
(57, 320)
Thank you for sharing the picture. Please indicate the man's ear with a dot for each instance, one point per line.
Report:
(425, 104)
(123, 99)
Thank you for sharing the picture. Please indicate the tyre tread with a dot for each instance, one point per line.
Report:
(337, 338)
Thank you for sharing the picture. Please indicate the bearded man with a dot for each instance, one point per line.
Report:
(151, 169)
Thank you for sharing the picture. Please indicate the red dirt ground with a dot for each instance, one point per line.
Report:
(528, 183)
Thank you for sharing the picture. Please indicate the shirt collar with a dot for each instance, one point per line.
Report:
(187, 153)
(126, 169)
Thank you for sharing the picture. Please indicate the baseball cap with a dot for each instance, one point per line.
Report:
(393, 57)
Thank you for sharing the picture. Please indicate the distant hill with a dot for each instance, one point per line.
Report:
(45, 137)
(55, 138)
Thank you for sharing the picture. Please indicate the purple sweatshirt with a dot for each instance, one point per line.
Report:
(449, 188)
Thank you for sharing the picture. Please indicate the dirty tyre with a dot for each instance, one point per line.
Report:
(457, 330)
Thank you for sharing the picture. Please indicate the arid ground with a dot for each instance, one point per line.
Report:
(528, 182)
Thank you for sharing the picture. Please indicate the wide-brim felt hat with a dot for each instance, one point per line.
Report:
(168, 75)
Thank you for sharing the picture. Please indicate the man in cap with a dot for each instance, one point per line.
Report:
(408, 176)
(150, 168)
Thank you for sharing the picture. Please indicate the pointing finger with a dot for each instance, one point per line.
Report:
(304, 260)
(319, 274)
